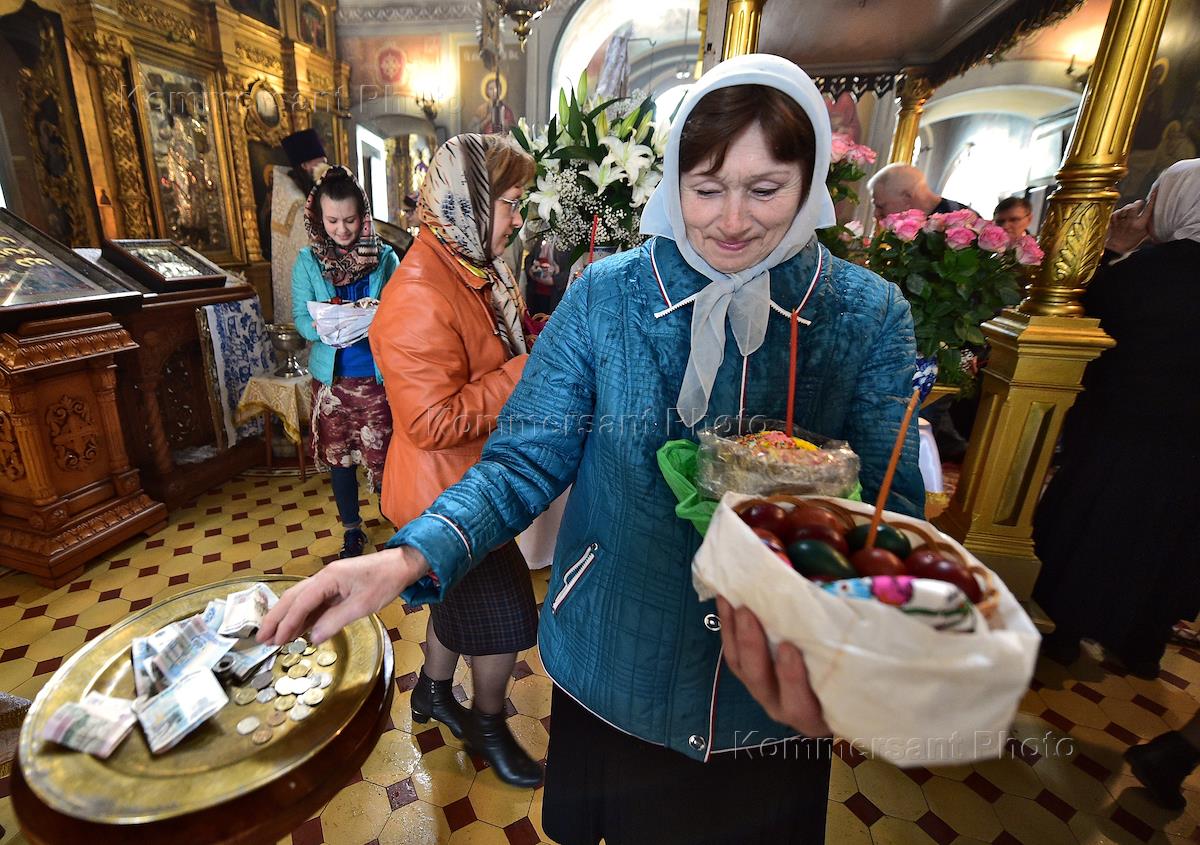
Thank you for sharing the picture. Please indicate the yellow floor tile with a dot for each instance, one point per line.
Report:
(25, 632)
(10, 615)
(531, 696)
(478, 833)
(841, 780)
(1072, 784)
(962, 808)
(531, 734)
(1029, 821)
(889, 831)
(72, 604)
(890, 790)
(60, 643)
(845, 828)
(535, 813)
(409, 657)
(1130, 794)
(1134, 718)
(1075, 707)
(394, 758)
(103, 614)
(443, 776)
(1089, 829)
(1011, 776)
(496, 802)
(356, 815)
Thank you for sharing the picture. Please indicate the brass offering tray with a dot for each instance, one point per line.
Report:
(214, 764)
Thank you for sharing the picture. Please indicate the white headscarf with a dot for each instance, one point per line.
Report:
(743, 298)
(1177, 204)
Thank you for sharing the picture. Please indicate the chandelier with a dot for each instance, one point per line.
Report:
(522, 13)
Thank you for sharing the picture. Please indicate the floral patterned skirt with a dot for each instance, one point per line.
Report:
(351, 424)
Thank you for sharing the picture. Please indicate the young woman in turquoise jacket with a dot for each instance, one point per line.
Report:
(351, 422)
(671, 722)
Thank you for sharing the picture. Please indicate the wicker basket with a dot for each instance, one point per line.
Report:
(918, 532)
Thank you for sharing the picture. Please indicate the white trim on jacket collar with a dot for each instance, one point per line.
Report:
(776, 307)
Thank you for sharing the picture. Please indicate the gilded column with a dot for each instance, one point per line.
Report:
(395, 187)
(743, 18)
(1077, 218)
(105, 54)
(913, 90)
(1041, 349)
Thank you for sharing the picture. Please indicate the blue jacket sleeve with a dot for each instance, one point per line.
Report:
(880, 397)
(528, 461)
(306, 277)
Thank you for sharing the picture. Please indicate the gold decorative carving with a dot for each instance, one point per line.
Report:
(10, 452)
(57, 160)
(107, 54)
(258, 57)
(15, 355)
(911, 93)
(1078, 212)
(172, 27)
(72, 433)
(241, 156)
(319, 80)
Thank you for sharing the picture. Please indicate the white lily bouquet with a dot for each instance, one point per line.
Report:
(597, 164)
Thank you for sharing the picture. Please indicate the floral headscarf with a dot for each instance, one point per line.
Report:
(339, 266)
(455, 203)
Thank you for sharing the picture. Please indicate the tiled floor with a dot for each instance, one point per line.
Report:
(1063, 781)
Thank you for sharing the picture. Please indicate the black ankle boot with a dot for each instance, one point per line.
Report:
(436, 699)
(1162, 764)
(489, 737)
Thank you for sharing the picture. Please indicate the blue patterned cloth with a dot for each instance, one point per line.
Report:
(236, 347)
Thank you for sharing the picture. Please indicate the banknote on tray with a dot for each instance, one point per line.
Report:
(96, 725)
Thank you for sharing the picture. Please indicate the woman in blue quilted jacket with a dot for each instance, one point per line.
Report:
(671, 723)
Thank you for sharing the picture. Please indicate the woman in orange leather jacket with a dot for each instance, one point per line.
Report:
(448, 340)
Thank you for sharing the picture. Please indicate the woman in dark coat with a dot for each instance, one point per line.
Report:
(1115, 529)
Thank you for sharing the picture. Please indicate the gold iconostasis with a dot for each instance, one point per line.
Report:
(163, 118)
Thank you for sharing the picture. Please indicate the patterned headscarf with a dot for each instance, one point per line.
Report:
(339, 266)
(456, 204)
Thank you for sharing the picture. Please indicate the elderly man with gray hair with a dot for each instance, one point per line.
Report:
(899, 187)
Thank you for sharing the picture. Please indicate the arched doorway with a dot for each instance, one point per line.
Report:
(663, 44)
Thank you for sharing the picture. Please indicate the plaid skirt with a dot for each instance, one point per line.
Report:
(492, 609)
(351, 424)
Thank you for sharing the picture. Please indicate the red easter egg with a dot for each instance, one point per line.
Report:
(876, 561)
(816, 532)
(765, 515)
(771, 541)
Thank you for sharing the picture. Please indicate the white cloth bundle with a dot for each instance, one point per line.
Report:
(343, 325)
(888, 683)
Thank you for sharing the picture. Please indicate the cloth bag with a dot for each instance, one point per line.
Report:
(343, 325)
(895, 688)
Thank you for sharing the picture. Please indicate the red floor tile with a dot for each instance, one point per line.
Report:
(862, 807)
(937, 829)
(521, 832)
(460, 813)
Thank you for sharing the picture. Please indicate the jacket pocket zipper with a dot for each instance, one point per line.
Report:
(574, 573)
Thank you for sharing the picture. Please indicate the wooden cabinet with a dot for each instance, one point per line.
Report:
(67, 490)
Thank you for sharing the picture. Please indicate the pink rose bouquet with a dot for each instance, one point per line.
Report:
(846, 164)
(956, 271)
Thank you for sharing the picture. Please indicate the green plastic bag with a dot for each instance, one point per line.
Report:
(677, 462)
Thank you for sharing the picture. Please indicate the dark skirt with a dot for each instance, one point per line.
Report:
(601, 782)
(492, 609)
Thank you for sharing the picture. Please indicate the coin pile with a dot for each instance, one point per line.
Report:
(293, 692)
